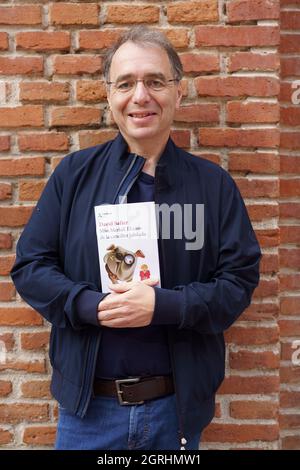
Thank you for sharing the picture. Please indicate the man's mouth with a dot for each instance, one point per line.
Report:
(141, 115)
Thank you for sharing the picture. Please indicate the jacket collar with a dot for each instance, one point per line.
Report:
(168, 169)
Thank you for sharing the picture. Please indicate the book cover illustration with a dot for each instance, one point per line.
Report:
(127, 242)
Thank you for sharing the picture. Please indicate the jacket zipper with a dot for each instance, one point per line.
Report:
(92, 352)
(182, 439)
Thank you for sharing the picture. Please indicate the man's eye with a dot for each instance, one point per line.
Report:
(154, 83)
(124, 85)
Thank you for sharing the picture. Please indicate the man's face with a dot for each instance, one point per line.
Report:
(143, 113)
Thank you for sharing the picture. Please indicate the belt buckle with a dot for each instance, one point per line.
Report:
(119, 382)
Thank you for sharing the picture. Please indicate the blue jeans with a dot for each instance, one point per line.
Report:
(110, 426)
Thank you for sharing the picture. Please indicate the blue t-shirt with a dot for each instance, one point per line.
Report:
(127, 352)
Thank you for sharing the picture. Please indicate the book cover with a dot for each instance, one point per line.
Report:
(127, 242)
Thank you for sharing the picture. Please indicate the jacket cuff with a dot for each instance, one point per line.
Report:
(168, 305)
(87, 306)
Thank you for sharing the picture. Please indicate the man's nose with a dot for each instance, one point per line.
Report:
(141, 93)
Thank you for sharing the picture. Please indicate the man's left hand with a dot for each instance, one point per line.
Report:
(132, 307)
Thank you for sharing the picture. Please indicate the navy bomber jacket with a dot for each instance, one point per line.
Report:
(57, 270)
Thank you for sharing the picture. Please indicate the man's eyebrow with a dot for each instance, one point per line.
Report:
(147, 75)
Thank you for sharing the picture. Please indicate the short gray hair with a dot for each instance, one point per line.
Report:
(143, 35)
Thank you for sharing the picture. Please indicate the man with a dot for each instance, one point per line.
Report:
(138, 368)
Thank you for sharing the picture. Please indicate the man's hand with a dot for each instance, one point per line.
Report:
(130, 305)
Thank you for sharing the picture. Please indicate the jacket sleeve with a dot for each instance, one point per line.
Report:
(38, 272)
(211, 307)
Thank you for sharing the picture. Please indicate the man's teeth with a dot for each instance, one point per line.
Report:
(141, 115)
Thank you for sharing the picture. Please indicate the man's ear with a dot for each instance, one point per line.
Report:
(179, 95)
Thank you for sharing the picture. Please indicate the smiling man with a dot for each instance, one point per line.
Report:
(138, 368)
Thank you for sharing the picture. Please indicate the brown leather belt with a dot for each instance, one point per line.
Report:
(135, 391)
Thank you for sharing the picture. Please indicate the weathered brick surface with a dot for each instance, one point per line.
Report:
(240, 109)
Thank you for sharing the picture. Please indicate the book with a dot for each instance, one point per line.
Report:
(127, 243)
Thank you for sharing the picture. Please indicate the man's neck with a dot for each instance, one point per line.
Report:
(150, 152)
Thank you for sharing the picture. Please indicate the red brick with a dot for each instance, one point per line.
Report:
(289, 327)
(6, 263)
(30, 190)
(290, 67)
(74, 14)
(289, 43)
(15, 216)
(91, 138)
(238, 111)
(22, 116)
(179, 37)
(36, 340)
(252, 335)
(21, 65)
(258, 188)
(268, 237)
(290, 443)
(98, 40)
(19, 316)
(90, 91)
(5, 241)
(290, 187)
(253, 409)
(3, 41)
(224, 137)
(289, 282)
(5, 388)
(259, 311)
(246, 360)
(286, 351)
(43, 40)
(77, 64)
(253, 61)
(75, 116)
(290, 116)
(263, 211)
(34, 366)
(35, 435)
(290, 305)
(289, 399)
(290, 20)
(212, 157)
(269, 263)
(4, 143)
(237, 36)
(290, 375)
(196, 63)
(290, 258)
(48, 141)
(181, 138)
(240, 433)
(198, 113)
(124, 14)
(258, 162)
(237, 86)
(267, 288)
(286, 92)
(7, 291)
(5, 436)
(289, 210)
(245, 10)
(290, 234)
(8, 340)
(289, 164)
(18, 412)
(22, 166)
(5, 191)
(44, 91)
(193, 12)
(248, 385)
(36, 389)
(21, 14)
(289, 421)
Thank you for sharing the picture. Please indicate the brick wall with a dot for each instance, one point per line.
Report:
(53, 102)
